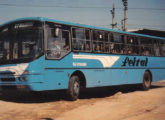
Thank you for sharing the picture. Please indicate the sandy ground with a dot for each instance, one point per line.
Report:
(114, 103)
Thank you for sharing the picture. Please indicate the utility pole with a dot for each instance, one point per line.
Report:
(125, 3)
(122, 27)
(113, 17)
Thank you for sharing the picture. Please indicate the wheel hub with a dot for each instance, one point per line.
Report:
(76, 88)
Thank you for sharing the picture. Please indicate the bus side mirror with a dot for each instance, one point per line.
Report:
(57, 32)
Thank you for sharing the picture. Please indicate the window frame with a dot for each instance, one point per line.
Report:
(84, 41)
(62, 27)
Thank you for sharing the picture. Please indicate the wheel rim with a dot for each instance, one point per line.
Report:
(76, 88)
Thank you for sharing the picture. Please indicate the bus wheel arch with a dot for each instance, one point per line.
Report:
(76, 82)
(147, 79)
(82, 78)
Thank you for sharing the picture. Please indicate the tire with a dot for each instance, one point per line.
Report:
(74, 88)
(146, 81)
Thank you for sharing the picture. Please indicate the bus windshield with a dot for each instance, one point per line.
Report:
(20, 45)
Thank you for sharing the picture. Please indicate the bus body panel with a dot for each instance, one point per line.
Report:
(158, 74)
(55, 74)
(32, 79)
(56, 79)
(99, 69)
(96, 71)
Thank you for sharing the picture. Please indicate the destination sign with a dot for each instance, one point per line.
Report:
(23, 25)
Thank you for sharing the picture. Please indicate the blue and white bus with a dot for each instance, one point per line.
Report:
(41, 54)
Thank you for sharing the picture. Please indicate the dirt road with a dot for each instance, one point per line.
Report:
(128, 103)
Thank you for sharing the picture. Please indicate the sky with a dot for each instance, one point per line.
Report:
(148, 14)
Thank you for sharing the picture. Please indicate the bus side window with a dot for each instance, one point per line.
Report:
(162, 48)
(111, 39)
(135, 45)
(129, 45)
(81, 39)
(101, 41)
(87, 43)
(118, 46)
(54, 44)
(95, 38)
(77, 38)
(65, 37)
(106, 43)
(98, 41)
(156, 48)
(146, 47)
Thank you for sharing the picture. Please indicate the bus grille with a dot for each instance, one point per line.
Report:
(7, 79)
(8, 87)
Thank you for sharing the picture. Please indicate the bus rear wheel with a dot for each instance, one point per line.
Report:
(74, 88)
(146, 80)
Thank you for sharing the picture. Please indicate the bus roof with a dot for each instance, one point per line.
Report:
(43, 19)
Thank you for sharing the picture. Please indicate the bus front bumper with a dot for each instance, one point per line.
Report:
(20, 87)
(6, 87)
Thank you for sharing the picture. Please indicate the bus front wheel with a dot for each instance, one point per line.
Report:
(74, 88)
(146, 80)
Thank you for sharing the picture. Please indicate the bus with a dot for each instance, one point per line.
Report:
(42, 54)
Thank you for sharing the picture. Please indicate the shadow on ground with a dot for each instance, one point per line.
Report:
(47, 119)
(26, 97)
(110, 91)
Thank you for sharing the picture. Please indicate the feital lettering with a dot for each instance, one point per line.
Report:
(135, 62)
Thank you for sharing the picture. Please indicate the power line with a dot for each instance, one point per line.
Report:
(147, 9)
(60, 6)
